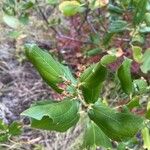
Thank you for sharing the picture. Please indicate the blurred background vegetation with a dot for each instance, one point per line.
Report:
(77, 39)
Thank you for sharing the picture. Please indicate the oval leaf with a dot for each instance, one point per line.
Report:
(145, 67)
(58, 116)
(11, 21)
(117, 126)
(49, 69)
(137, 53)
(124, 75)
(146, 138)
(108, 59)
(118, 26)
(91, 81)
(69, 8)
(94, 136)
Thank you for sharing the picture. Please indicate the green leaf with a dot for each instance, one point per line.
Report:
(133, 103)
(4, 137)
(58, 116)
(52, 2)
(108, 59)
(91, 81)
(69, 8)
(115, 9)
(124, 75)
(47, 123)
(145, 67)
(128, 144)
(15, 129)
(94, 75)
(147, 115)
(93, 52)
(3, 126)
(118, 26)
(49, 69)
(144, 29)
(95, 137)
(14, 34)
(87, 72)
(138, 39)
(140, 11)
(91, 95)
(43, 102)
(118, 126)
(95, 38)
(107, 39)
(24, 18)
(121, 146)
(140, 86)
(11, 21)
(68, 75)
(27, 5)
(146, 138)
(147, 19)
(70, 78)
(137, 53)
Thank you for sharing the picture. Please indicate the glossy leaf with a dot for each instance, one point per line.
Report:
(94, 75)
(116, 125)
(91, 81)
(58, 116)
(87, 73)
(95, 137)
(91, 95)
(124, 75)
(49, 69)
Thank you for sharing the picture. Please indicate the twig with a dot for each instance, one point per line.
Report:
(103, 26)
(91, 25)
(75, 40)
(45, 18)
(84, 20)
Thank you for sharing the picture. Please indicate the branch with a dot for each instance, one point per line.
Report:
(45, 18)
